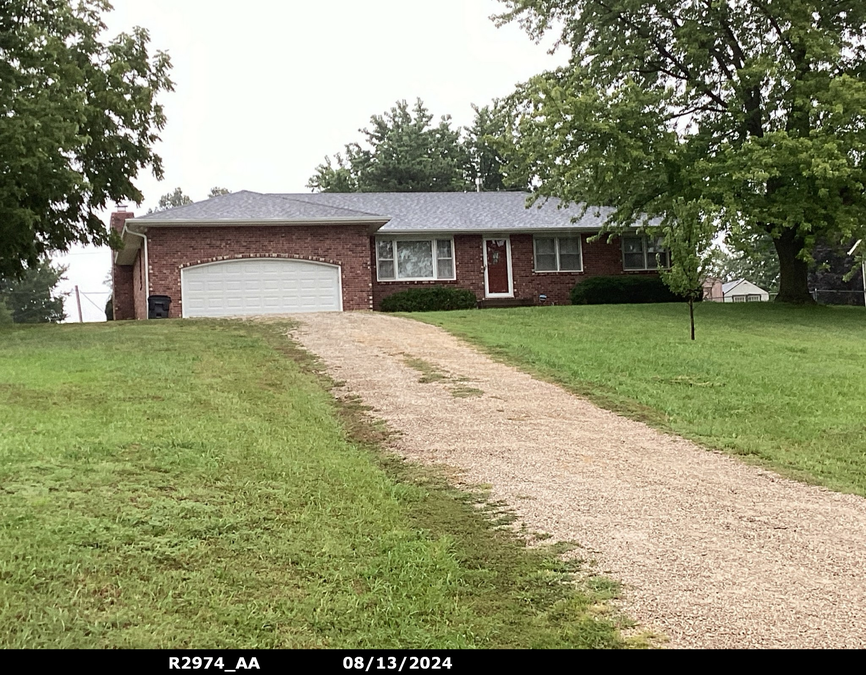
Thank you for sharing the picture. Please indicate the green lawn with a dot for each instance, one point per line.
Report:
(193, 484)
(785, 386)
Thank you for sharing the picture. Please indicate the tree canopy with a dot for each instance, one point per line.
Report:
(759, 107)
(404, 152)
(753, 258)
(178, 197)
(171, 200)
(32, 297)
(79, 118)
(487, 169)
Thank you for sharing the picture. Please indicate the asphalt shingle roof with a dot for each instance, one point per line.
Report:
(438, 211)
(245, 205)
(731, 285)
(405, 211)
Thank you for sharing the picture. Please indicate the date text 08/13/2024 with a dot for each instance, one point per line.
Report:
(349, 663)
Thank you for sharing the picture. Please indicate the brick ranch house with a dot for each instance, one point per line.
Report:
(247, 253)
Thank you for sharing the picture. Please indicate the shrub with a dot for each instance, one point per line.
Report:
(621, 290)
(429, 299)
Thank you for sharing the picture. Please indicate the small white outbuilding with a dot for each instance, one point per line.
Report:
(743, 291)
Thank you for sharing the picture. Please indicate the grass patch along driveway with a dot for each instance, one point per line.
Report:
(192, 484)
(782, 385)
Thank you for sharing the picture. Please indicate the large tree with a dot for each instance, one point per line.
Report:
(756, 105)
(487, 169)
(32, 297)
(79, 118)
(171, 200)
(403, 152)
(753, 258)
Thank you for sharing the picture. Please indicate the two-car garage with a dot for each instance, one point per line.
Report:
(252, 286)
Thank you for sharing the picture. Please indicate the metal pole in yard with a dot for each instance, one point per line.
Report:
(78, 300)
(862, 268)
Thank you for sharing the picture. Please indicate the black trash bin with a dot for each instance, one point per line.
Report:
(157, 306)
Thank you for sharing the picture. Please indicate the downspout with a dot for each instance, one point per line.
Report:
(144, 262)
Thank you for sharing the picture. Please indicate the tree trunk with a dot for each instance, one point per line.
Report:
(793, 272)
(692, 315)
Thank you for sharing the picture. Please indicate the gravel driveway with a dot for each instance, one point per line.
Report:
(711, 552)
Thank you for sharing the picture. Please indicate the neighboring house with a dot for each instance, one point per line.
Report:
(743, 291)
(713, 290)
(247, 253)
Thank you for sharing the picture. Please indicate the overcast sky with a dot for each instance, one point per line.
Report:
(264, 89)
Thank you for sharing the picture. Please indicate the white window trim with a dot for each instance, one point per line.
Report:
(646, 267)
(556, 239)
(397, 278)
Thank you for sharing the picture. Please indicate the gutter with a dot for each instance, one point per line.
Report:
(373, 223)
(264, 222)
(491, 232)
(145, 261)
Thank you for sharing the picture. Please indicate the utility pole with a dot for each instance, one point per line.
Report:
(78, 300)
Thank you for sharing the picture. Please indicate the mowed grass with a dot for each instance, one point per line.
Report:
(193, 484)
(785, 386)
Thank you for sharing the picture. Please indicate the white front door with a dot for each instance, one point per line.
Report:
(252, 286)
(497, 268)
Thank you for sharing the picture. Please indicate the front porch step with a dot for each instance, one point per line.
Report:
(490, 303)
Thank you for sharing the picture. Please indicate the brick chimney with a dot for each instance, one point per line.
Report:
(119, 217)
(123, 297)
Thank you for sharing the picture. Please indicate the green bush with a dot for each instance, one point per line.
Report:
(623, 289)
(430, 299)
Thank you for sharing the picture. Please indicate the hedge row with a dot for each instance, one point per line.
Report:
(593, 291)
(430, 299)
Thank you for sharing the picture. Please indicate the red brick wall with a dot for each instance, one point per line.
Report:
(599, 258)
(123, 297)
(469, 266)
(123, 300)
(170, 249)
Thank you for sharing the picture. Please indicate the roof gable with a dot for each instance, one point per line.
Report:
(742, 286)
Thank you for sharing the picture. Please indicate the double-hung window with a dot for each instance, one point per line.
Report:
(414, 259)
(640, 252)
(558, 254)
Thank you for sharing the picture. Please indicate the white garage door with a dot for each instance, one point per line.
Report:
(260, 286)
